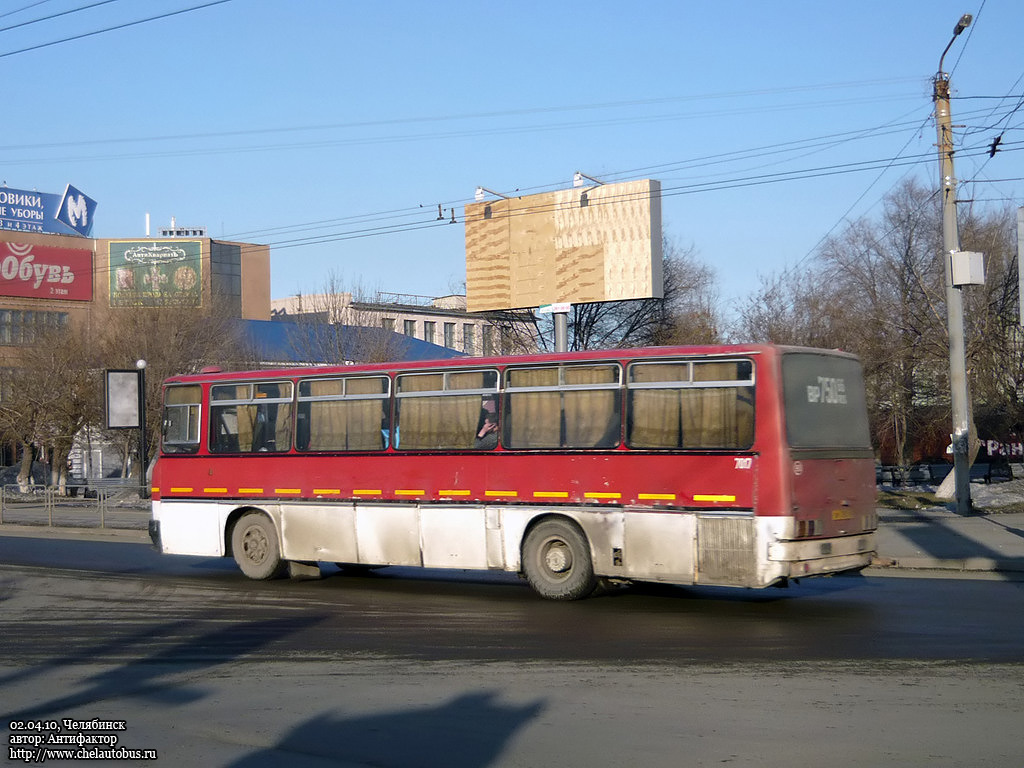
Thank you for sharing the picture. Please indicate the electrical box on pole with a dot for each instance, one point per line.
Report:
(967, 268)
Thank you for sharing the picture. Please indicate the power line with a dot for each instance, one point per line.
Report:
(113, 28)
(23, 8)
(56, 15)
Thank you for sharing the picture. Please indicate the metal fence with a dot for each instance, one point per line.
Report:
(111, 506)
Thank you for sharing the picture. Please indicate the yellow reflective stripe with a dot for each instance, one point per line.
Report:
(409, 492)
(453, 492)
(551, 494)
(501, 493)
(250, 490)
(326, 491)
(596, 495)
(366, 492)
(656, 496)
(713, 497)
(181, 490)
(289, 491)
(215, 490)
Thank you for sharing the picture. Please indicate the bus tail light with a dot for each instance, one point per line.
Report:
(806, 528)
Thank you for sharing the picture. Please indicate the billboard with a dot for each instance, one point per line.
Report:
(576, 245)
(29, 211)
(42, 272)
(148, 273)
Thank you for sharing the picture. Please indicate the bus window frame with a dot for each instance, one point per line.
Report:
(384, 397)
(492, 390)
(509, 390)
(253, 399)
(690, 384)
(183, 446)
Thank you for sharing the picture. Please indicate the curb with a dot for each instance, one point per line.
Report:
(75, 534)
(968, 566)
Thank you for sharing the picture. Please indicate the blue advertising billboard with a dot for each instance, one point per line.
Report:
(70, 213)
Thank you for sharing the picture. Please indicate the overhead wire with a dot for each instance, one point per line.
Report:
(125, 25)
(57, 15)
(690, 188)
(15, 11)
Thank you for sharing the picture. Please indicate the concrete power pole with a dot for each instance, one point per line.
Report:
(954, 297)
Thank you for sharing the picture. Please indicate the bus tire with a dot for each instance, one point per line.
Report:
(255, 547)
(556, 561)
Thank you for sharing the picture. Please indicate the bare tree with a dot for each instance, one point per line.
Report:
(889, 282)
(791, 308)
(48, 396)
(337, 325)
(995, 343)
(878, 289)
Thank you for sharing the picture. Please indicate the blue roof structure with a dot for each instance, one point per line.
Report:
(282, 342)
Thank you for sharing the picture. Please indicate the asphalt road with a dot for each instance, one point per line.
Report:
(415, 668)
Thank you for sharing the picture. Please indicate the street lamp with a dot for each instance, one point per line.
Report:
(959, 399)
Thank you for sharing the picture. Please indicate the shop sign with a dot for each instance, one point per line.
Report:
(42, 272)
(156, 273)
(29, 211)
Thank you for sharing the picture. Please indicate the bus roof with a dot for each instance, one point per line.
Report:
(215, 374)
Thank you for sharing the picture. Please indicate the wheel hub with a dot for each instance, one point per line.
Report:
(558, 559)
(255, 545)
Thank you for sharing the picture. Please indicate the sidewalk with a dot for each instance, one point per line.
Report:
(937, 539)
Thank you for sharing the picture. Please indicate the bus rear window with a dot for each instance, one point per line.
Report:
(826, 406)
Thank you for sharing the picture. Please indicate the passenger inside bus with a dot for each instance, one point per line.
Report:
(487, 427)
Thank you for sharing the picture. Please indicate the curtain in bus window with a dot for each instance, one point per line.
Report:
(340, 425)
(655, 419)
(717, 417)
(264, 427)
(721, 371)
(655, 414)
(250, 431)
(591, 417)
(438, 422)
(533, 420)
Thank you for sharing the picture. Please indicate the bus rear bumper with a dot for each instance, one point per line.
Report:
(815, 557)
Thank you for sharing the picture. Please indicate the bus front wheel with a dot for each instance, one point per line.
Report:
(255, 547)
(556, 561)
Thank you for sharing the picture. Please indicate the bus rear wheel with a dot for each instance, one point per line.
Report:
(255, 547)
(556, 561)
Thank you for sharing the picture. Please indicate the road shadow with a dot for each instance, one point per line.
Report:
(469, 731)
(940, 537)
(154, 677)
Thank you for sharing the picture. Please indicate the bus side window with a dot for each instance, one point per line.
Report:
(225, 436)
(247, 418)
(302, 427)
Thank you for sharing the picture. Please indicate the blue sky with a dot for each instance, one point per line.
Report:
(333, 130)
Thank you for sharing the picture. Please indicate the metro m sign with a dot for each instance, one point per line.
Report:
(76, 211)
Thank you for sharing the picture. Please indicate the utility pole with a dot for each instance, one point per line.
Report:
(959, 398)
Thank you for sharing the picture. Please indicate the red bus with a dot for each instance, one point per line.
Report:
(741, 466)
